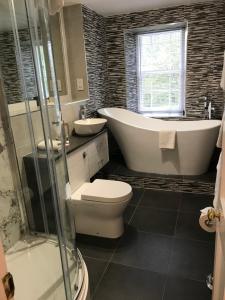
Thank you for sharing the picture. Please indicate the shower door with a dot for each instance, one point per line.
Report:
(34, 115)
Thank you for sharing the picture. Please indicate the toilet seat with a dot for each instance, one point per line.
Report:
(104, 191)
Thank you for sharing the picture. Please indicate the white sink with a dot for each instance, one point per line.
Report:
(89, 126)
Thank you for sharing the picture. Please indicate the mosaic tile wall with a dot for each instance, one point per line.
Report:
(10, 218)
(131, 71)
(206, 45)
(173, 184)
(10, 70)
(94, 35)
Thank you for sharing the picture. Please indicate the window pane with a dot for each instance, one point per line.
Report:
(156, 81)
(160, 99)
(174, 98)
(175, 81)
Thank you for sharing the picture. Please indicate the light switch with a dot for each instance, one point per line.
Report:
(80, 84)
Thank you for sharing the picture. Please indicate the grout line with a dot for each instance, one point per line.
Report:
(169, 263)
(94, 258)
(105, 270)
(164, 286)
(158, 208)
(175, 227)
(136, 206)
(100, 279)
(177, 238)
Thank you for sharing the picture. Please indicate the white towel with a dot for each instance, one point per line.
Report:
(55, 6)
(222, 84)
(167, 139)
(57, 146)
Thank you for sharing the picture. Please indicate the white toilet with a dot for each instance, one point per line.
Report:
(98, 207)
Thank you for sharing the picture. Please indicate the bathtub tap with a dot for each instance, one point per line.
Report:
(208, 109)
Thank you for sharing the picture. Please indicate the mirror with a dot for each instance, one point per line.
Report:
(73, 40)
(69, 56)
(60, 56)
(9, 59)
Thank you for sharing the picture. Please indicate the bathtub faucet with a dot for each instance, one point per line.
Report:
(208, 109)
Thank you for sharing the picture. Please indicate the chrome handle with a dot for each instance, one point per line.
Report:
(55, 123)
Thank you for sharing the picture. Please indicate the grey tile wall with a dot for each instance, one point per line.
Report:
(95, 46)
(206, 44)
(131, 71)
(10, 69)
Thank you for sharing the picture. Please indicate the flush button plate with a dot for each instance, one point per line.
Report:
(9, 286)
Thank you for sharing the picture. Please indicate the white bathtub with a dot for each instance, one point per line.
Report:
(138, 139)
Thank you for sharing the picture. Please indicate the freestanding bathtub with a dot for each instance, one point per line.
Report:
(138, 139)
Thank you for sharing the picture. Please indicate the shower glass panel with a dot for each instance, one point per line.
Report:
(34, 114)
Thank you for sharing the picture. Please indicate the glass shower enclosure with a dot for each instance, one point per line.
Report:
(43, 259)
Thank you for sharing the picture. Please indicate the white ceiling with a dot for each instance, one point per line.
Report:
(114, 7)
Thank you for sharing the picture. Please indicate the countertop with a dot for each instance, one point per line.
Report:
(78, 141)
(75, 143)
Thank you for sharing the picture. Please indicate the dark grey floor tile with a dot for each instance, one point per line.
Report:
(123, 170)
(155, 220)
(195, 202)
(161, 199)
(185, 289)
(188, 227)
(111, 167)
(191, 259)
(96, 247)
(125, 283)
(137, 195)
(128, 213)
(144, 250)
(95, 271)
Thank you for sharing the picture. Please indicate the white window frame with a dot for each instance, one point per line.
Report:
(180, 111)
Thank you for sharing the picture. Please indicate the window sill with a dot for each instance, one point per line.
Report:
(162, 115)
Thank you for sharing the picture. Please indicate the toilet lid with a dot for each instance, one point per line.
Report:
(106, 191)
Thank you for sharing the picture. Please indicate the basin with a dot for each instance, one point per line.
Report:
(89, 126)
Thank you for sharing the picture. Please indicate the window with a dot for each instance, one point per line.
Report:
(161, 71)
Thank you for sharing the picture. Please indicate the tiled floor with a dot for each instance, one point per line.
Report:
(163, 254)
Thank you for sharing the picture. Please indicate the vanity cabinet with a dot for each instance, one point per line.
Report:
(86, 161)
(85, 157)
(98, 154)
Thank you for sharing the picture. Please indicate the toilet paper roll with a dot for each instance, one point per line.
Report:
(203, 221)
